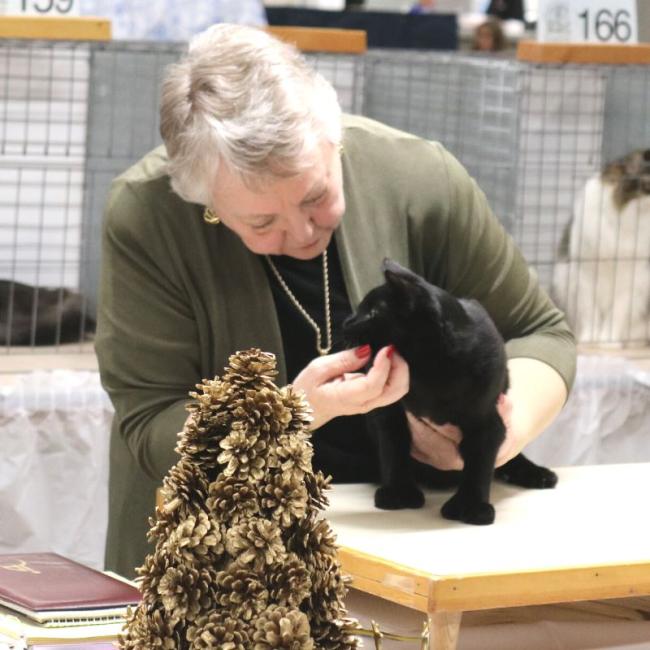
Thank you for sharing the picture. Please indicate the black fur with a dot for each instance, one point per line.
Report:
(457, 365)
(39, 316)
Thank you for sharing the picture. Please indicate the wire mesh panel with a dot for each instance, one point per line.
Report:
(43, 90)
(467, 103)
(123, 125)
(627, 110)
(74, 116)
(584, 195)
(535, 137)
(559, 142)
(345, 72)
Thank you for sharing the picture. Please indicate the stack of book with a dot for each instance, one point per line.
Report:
(48, 601)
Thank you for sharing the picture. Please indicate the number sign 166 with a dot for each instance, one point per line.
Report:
(606, 25)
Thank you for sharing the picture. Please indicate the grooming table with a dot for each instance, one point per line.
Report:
(588, 539)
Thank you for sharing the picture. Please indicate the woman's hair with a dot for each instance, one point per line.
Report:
(244, 99)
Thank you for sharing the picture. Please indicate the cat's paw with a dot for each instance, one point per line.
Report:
(541, 479)
(459, 508)
(391, 497)
(524, 473)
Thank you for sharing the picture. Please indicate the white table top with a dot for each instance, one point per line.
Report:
(597, 516)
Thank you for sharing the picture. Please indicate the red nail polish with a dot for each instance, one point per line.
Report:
(389, 352)
(363, 351)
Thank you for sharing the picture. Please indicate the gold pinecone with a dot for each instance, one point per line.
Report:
(148, 630)
(298, 406)
(243, 453)
(282, 628)
(293, 454)
(185, 592)
(241, 592)
(208, 408)
(335, 635)
(262, 410)
(218, 630)
(196, 539)
(255, 542)
(232, 499)
(285, 499)
(328, 589)
(184, 485)
(317, 485)
(289, 583)
(210, 398)
(150, 574)
(199, 440)
(251, 368)
(311, 535)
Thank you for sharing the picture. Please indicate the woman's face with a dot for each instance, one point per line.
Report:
(294, 216)
(484, 39)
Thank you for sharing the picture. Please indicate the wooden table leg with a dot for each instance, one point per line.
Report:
(444, 628)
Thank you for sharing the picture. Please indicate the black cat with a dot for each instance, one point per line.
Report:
(457, 365)
(39, 316)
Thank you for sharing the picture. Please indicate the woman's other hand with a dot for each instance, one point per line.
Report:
(334, 385)
(437, 444)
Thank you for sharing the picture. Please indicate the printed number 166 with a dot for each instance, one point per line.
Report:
(608, 25)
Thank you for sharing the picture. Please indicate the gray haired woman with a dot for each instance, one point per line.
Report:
(260, 223)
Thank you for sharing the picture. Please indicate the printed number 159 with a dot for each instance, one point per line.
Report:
(48, 6)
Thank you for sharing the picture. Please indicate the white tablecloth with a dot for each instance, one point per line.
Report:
(54, 432)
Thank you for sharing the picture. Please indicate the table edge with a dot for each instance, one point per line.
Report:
(436, 593)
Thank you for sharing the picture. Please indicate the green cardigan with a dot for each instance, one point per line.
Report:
(178, 296)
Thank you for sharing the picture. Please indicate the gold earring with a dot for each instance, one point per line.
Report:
(340, 148)
(210, 217)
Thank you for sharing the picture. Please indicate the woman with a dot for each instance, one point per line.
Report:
(260, 223)
(489, 37)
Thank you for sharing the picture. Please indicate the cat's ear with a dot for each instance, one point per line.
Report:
(398, 275)
(403, 282)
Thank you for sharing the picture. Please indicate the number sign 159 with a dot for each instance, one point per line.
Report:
(42, 7)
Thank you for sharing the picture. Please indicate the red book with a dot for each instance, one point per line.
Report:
(49, 588)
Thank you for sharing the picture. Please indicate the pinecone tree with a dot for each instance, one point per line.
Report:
(243, 557)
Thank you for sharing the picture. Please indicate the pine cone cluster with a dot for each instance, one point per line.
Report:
(243, 558)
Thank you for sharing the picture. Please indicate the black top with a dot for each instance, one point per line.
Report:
(341, 446)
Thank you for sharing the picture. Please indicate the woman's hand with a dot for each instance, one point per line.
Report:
(535, 397)
(334, 386)
(437, 444)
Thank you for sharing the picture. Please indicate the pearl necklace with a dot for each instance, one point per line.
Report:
(303, 311)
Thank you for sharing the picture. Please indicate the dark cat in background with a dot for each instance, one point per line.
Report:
(457, 366)
(39, 316)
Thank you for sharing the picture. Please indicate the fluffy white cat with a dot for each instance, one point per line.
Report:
(602, 277)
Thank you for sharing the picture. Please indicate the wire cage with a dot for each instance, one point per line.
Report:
(545, 143)
(469, 104)
(43, 116)
(72, 117)
(535, 137)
